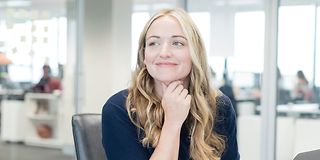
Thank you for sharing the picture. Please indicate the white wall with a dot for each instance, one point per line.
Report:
(104, 50)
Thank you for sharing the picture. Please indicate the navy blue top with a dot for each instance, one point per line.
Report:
(121, 141)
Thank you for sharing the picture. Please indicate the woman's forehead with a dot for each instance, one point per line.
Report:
(167, 26)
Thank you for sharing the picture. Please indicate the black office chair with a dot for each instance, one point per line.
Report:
(310, 155)
(87, 136)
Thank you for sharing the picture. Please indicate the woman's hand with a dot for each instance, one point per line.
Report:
(176, 103)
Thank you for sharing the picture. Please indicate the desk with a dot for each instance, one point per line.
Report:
(16, 94)
(12, 114)
(13, 119)
(48, 116)
(298, 110)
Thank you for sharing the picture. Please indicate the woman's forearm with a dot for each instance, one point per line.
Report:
(168, 146)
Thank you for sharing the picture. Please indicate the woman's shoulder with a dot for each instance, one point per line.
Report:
(226, 117)
(116, 102)
(223, 103)
(119, 97)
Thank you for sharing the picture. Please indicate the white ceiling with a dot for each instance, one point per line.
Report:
(34, 3)
(52, 8)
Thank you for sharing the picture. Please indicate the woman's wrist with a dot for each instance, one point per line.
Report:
(172, 125)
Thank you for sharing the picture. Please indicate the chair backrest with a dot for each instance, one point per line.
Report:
(310, 155)
(86, 128)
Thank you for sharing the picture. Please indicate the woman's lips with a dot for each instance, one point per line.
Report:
(164, 64)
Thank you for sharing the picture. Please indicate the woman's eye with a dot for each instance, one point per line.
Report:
(179, 44)
(153, 44)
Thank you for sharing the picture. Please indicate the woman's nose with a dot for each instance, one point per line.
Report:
(165, 51)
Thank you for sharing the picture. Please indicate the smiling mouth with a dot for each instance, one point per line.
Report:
(166, 64)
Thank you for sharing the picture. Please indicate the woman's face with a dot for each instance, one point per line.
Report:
(167, 54)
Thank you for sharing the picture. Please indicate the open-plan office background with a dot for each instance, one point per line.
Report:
(87, 44)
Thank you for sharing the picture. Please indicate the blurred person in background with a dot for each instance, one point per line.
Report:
(47, 83)
(227, 89)
(301, 91)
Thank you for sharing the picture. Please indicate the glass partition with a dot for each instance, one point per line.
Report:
(235, 46)
(298, 62)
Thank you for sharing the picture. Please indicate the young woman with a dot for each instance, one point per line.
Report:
(170, 111)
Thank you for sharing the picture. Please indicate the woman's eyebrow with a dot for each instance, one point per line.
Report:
(179, 36)
(173, 36)
(152, 37)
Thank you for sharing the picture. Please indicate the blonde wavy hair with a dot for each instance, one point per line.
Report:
(144, 107)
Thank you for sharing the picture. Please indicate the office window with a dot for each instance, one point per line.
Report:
(249, 43)
(31, 44)
(296, 40)
(202, 20)
(62, 40)
(17, 47)
(3, 33)
(20, 73)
